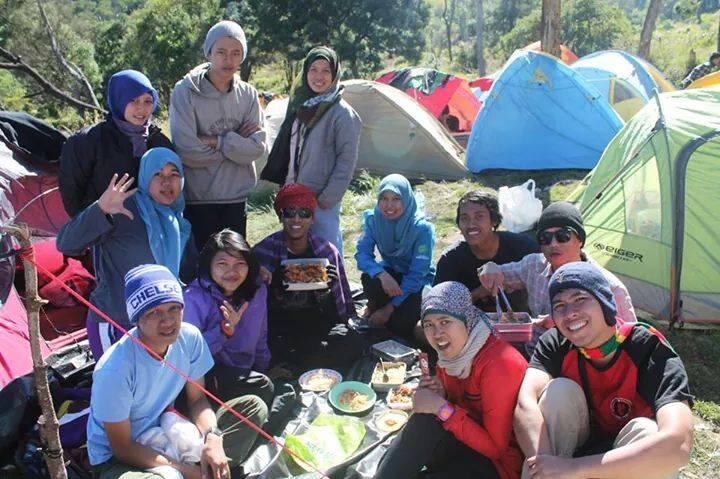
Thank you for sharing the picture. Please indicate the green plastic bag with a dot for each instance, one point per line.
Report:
(329, 440)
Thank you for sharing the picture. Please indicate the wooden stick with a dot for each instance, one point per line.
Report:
(48, 422)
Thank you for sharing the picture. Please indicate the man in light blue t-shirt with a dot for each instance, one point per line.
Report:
(131, 389)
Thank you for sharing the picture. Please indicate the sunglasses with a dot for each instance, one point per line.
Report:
(562, 235)
(303, 213)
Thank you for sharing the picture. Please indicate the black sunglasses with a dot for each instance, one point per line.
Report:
(303, 213)
(562, 235)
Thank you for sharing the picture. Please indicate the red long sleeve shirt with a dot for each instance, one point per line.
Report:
(484, 404)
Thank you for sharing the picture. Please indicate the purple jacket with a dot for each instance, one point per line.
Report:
(247, 348)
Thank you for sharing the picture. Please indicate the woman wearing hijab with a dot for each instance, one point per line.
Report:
(129, 227)
(94, 154)
(317, 145)
(462, 426)
(405, 240)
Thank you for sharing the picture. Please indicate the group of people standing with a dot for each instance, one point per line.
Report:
(186, 283)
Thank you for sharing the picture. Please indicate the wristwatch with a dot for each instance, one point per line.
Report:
(445, 411)
(213, 430)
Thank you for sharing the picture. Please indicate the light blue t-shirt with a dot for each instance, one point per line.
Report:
(128, 383)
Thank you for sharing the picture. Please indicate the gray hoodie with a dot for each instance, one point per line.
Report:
(225, 174)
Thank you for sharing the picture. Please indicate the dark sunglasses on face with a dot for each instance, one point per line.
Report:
(303, 213)
(562, 235)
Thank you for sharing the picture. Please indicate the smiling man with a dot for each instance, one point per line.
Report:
(478, 217)
(216, 124)
(305, 327)
(602, 398)
(561, 235)
(132, 389)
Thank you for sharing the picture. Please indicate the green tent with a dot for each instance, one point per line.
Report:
(652, 207)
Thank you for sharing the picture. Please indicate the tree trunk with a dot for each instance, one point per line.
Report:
(448, 16)
(648, 28)
(480, 40)
(550, 24)
(48, 422)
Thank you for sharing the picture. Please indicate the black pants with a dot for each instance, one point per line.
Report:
(300, 349)
(206, 220)
(227, 382)
(404, 318)
(424, 442)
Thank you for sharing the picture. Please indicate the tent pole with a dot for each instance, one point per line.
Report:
(48, 422)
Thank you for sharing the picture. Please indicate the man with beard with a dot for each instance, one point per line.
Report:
(478, 217)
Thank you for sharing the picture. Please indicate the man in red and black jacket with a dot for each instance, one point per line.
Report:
(601, 398)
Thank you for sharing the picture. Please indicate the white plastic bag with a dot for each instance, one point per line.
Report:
(519, 207)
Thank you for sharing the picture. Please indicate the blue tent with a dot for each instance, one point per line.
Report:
(625, 81)
(540, 114)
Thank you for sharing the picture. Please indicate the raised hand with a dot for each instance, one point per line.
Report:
(232, 316)
(112, 201)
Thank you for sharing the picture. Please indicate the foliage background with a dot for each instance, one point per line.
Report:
(163, 38)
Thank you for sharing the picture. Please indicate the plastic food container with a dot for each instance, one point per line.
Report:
(392, 350)
(406, 392)
(518, 331)
(396, 375)
(305, 286)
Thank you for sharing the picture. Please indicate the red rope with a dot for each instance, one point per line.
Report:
(29, 255)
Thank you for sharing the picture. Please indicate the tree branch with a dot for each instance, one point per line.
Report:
(69, 66)
(20, 65)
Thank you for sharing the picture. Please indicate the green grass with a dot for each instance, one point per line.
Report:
(699, 349)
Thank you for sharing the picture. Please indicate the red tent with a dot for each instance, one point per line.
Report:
(447, 97)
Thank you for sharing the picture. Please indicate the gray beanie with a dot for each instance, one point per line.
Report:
(225, 28)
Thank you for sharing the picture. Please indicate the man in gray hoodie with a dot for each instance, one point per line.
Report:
(217, 128)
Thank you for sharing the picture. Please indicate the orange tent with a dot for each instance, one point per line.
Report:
(566, 55)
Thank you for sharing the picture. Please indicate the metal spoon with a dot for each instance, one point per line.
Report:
(385, 378)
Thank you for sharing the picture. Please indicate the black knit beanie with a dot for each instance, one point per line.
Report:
(559, 214)
(588, 277)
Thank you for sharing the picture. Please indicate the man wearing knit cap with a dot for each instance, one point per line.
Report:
(561, 235)
(306, 327)
(217, 128)
(601, 398)
(132, 389)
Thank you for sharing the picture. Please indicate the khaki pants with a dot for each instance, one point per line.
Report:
(567, 421)
(238, 438)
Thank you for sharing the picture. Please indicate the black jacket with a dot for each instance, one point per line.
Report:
(90, 158)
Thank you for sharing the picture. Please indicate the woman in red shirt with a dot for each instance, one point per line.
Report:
(462, 426)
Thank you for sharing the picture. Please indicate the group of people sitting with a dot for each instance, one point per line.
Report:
(603, 396)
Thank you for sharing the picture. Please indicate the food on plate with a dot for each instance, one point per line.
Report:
(306, 273)
(395, 373)
(401, 397)
(353, 400)
(319, 381)
(391, 421)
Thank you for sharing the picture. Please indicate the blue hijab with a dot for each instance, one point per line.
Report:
(167, 230)
(396, 237)
(123, 87)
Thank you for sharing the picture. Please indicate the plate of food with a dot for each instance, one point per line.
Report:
(319, 380)
(352, 397)
(305, 274)
(388, 375)
(390, 420)
(401, 397)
